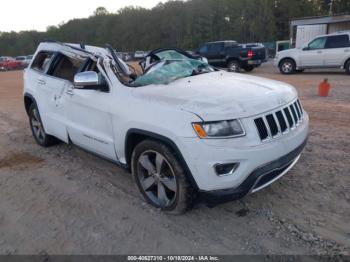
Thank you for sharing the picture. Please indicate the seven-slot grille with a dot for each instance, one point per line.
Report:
(279, 122)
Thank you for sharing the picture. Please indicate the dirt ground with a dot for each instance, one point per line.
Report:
(62, 200)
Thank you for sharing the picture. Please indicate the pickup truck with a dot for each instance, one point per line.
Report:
(232, 55)
(8, 63)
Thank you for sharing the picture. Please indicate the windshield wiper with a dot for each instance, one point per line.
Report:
(200, 70)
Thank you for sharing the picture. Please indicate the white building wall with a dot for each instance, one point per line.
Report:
(305, 33)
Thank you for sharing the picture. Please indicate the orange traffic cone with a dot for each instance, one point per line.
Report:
(324, 87)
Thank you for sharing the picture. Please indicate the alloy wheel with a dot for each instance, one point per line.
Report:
(287, 67)
(157, 178)
(234, 67)
(37, 126)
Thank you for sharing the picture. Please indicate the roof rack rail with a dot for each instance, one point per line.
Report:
(81, 49)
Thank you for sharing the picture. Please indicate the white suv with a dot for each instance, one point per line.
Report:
(327, 51)
(186, 130)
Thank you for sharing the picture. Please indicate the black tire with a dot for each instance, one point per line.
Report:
(248, 68)
(150, 179)
(234, 66)
(287, 66)
(347, 67)
(38, 130)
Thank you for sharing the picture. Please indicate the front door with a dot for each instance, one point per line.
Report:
(313, 55)
(89, 122)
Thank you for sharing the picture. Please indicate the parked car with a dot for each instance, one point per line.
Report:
(233, 56)
(186, 130)
(325, 51)
(25, 60)
(9, 63)
(20, 58)
(139, 54)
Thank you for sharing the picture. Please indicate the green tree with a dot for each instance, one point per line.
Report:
(184, 24)
(100, 11)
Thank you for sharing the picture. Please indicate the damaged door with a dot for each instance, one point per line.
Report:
(51, 87)
(89, 122)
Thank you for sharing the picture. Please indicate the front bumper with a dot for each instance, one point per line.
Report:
(202, 155)
(258, 179)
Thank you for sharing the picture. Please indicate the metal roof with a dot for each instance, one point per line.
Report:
(224, 41)
(320, 20)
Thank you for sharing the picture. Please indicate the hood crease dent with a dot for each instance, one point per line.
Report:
(220, 95)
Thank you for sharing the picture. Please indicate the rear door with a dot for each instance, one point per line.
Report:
(59, 77)
(204, 51)
(313, 55)
(337, 49)
(48, 90)
(216, 54)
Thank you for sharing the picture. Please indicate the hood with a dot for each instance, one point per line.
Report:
(288, 52)
(220, 95)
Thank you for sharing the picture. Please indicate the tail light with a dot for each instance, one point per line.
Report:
(250, 53)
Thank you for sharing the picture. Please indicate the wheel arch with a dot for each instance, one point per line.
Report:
(230, 59)
(287, 58)
(135, 136)
(346, 61)
(28, 101)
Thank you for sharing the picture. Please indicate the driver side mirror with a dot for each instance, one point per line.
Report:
(90, 80)
(306, 48)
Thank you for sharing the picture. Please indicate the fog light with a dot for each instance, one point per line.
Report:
(225, 169)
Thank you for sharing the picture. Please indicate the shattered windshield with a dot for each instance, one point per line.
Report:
(171, 55)
(167, 71)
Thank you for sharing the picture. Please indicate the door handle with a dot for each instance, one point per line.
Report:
(319, 52)
(41, 82)
(347, 50)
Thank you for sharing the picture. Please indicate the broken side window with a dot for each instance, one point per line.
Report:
(66, 68)
(42, 61)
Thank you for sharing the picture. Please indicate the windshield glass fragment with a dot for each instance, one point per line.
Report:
(171, 55)
(167, 71)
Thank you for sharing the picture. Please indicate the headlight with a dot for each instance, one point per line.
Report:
(219, 129)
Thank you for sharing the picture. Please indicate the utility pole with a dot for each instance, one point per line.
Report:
(331, 7)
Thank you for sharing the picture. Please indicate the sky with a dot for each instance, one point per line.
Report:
(18, 15)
